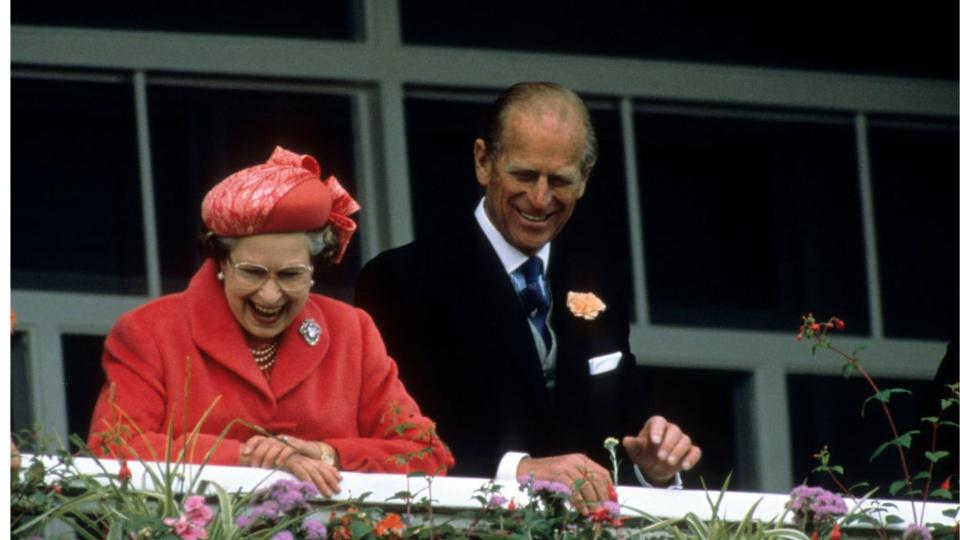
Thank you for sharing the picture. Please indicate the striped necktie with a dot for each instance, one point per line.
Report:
(536, 304)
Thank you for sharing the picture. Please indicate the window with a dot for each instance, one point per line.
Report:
(750, 222)
(200, 135)
(76, 221)
(915, 197)
(919, 41)
(445, 191)
(317, 20)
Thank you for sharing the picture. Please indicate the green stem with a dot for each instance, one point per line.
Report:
(893, 426)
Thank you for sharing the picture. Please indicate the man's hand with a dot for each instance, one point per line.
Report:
(568, 469)
(661, 450)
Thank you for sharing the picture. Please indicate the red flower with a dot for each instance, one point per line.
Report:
(600, 515)
(946, 484)
(391, 524)
(124, 474)
(815, 536)
(612, 493)
(839, 323)
(835, 533)
(512, 505)
(815, 327)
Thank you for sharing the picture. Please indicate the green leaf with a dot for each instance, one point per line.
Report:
(949, 423)
(837, 469)
(922, 475)
(879, 451)
(951, 512)
(945, 403)
(896, 486)
(931, 419)
(906, 439)
(848, 370)
(936, 456)
(882, 396)
(892, 519)
(942, 493)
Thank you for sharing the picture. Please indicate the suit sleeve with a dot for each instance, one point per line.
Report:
(395, 436)
(129, 420)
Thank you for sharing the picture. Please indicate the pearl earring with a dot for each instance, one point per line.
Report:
(220, 275)
(311, 283)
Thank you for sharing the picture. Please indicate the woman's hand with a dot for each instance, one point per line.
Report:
(268, 452)
(308, 469)
(273, 452)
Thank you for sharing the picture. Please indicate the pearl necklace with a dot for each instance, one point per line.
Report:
(265, 357)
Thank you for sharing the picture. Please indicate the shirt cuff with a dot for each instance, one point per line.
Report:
(677, 482)
(507, 470)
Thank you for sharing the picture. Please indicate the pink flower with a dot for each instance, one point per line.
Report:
(186, 530)
(197, 512)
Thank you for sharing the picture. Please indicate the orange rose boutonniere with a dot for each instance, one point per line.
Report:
(585, 305)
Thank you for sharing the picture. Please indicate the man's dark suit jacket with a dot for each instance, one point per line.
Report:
(450, 317)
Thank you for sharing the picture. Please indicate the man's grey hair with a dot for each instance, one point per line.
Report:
(528, 92)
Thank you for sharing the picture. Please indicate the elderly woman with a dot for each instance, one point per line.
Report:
(246, 367)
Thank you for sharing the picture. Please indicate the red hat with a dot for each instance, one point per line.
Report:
(285, 194)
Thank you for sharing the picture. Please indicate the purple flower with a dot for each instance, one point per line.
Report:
(824, 505)
(541, 485)
(916, 532)
(496, 501)
(314, 529)
(243, 521)
(546, 487)
(612, 507)
(268, 509)
(559, 488)
(283, 535)
(523, 480)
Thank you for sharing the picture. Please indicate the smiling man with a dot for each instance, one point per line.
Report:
(477, 321)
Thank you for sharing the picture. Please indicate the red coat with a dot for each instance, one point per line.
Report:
(186, 351)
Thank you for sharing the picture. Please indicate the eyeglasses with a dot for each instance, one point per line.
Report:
(290, 279)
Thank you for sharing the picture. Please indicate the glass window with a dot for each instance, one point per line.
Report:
(75, 187)
(709, 413)
(84, 377)
(293, 18)
(750, 222)
(21, 408)
(826, 410)
(915, 193)
(445, 191)
(201, 135)
(919, 40)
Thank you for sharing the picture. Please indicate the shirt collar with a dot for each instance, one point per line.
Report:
(510, 257)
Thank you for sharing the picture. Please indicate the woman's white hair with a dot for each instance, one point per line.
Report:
(322, 243)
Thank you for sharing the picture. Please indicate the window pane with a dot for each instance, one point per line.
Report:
(293, 18)
(916, 40)
(827, 411)
(750, 223)
(84, 376)
(445, 191)
(75, 186)
(201, 135)
(709, 414)
(915, 195)
(21, 408)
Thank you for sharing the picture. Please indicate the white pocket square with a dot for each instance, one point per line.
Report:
(605, 363)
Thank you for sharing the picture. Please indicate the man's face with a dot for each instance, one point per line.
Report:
(534, 181)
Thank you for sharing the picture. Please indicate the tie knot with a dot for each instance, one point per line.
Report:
(532, 270)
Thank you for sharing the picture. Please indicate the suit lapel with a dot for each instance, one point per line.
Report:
(499, 314)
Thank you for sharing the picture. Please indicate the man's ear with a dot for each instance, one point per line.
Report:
(582, 188)
(481, 162)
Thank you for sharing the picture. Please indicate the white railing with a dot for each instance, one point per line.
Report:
(452, 494)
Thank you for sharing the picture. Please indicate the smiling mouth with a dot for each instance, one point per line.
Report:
(535, 219)
(265, 313)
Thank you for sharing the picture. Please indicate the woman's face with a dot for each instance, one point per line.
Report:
(264, 311)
